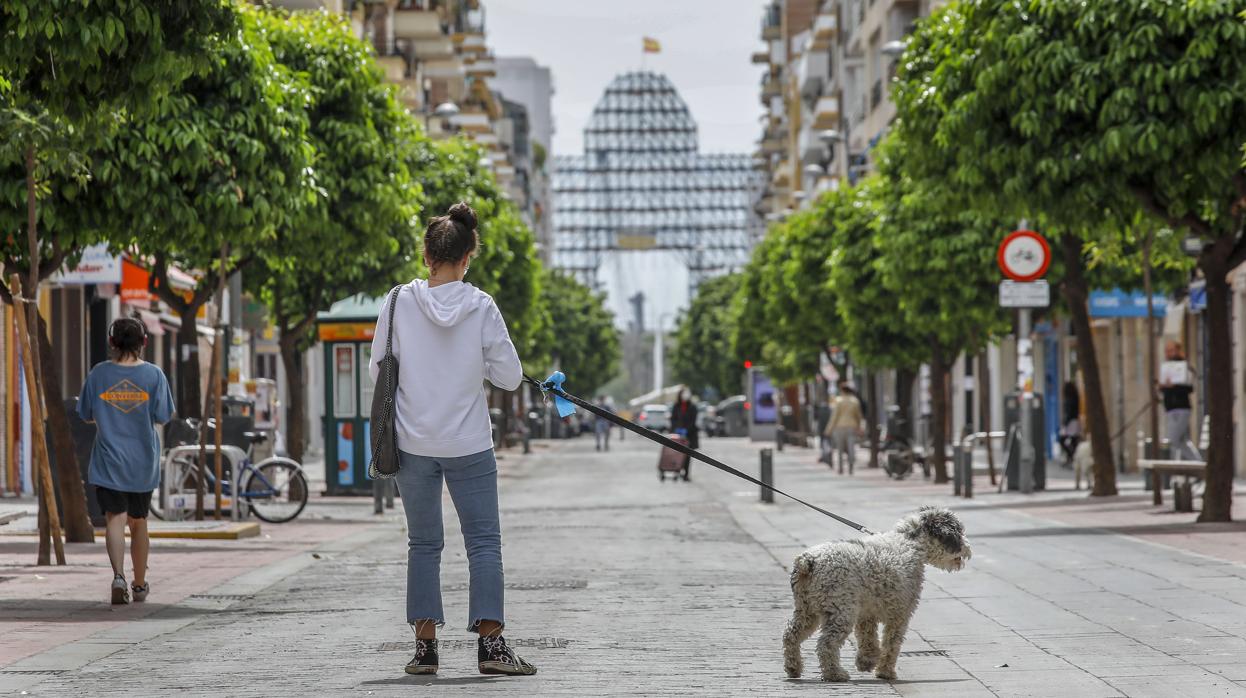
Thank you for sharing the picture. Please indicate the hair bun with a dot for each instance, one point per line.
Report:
(463, 215)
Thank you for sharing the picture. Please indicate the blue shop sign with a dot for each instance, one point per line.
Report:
(1118, 303)
(1198, 296)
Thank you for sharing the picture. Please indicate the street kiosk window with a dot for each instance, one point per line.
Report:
(344, 380)
(366, 384)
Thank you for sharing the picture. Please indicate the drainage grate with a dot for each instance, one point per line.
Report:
(33, 672)
(533, 586)
(538, 642)
(924, 653)
(223, 597)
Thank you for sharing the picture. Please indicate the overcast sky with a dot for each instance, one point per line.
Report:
(706, 46)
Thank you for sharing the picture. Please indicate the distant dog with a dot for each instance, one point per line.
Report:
(861, 583)
(1083, 464)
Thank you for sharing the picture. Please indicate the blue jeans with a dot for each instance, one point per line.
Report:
(473, 484)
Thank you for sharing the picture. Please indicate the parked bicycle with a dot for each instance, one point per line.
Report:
(274, 489)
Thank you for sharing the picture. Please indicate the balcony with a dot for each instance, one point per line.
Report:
(876, 95)
(432, 48)
(825, 28)
(395, 67)
(761, 57)
(489, 140)
(773, 143)
(826, 113)
(772, 23)
(482, 68)
(333, 6)
(812, 72)
(417, 24)
(470, 43)
(472, 121)
(771, 86)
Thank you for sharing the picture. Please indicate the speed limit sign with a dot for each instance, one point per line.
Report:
(1024, 256)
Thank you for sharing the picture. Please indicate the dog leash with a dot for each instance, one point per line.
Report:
(553, 386)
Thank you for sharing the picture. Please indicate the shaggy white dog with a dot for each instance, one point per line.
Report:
(861, 583)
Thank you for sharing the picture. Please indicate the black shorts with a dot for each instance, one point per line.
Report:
(134, 504)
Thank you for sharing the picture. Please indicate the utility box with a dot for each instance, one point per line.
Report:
(1012, 416)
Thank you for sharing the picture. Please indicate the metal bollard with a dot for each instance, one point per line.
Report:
(378, 496)
(767, 475)
(527, 441)
(967, 478)
(390, 486)
(780, 435)
(957, 474)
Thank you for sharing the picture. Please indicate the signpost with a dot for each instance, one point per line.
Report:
(1024, 257)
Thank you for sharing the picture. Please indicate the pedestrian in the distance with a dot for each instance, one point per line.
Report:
(126, 398)
(449, 337)
(684, 422)
(1176, 382)
(845, 425)
(1071, 425)
(601, 425)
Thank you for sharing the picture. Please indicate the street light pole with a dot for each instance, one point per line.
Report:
(658, 351)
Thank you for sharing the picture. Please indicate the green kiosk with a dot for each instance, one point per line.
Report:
(346, 332)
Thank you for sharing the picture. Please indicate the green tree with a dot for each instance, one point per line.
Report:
(702, 356)
(581, 340)
(224, 161)
(1082, 117)
(940, 265)
(64, 69)
(507, 267)
(361, 234)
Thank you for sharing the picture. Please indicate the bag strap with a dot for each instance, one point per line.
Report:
(389, 332)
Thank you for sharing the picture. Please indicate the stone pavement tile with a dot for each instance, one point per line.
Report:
(1045, 682)
(1177, 685)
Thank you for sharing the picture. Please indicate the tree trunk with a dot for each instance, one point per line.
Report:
(938, 415)
(1218, 497)
(75, 519)
(189, 395)
(904, 397)
(984, 406)
(871, 416)
(296, 411)
(1076, 293)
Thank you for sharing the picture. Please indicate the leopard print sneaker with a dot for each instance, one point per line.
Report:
(425, 659)
(496, 657)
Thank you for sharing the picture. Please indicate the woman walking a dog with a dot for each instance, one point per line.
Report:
(449, 337)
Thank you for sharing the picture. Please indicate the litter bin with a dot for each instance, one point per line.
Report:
(237, 417)
(83, 435)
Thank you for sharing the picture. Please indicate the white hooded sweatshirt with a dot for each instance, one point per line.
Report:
(448, 339)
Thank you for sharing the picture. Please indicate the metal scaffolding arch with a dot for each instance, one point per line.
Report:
(641, 184)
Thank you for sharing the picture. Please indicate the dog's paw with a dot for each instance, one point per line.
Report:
(836, 675)
(794, 669)
(865, 663)
(886, 674)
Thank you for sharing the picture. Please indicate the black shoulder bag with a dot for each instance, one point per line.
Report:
(384, 463)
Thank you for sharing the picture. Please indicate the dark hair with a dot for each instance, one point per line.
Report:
(126, 336)
(451, 237)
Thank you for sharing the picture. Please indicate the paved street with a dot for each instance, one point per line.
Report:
(617, 584)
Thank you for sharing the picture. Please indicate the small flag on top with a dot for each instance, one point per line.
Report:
(652, 45)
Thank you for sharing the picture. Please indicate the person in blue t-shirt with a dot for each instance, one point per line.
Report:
(126, 398)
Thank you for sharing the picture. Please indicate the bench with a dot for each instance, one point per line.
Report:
(1159, 468)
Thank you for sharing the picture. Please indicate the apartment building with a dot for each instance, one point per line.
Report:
(826, 89)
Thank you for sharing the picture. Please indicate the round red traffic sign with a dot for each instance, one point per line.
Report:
(1024, 256)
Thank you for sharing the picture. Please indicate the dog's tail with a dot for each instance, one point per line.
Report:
(802, 570)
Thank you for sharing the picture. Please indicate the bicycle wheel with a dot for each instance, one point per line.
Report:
(276, 490)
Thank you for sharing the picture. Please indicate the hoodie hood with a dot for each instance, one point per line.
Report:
(448, 304)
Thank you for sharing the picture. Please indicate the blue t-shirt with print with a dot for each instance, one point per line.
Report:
(126, 403)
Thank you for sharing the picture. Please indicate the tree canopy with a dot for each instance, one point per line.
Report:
(702, 356)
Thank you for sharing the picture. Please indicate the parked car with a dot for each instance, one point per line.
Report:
(733, 416)
(655, 417)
